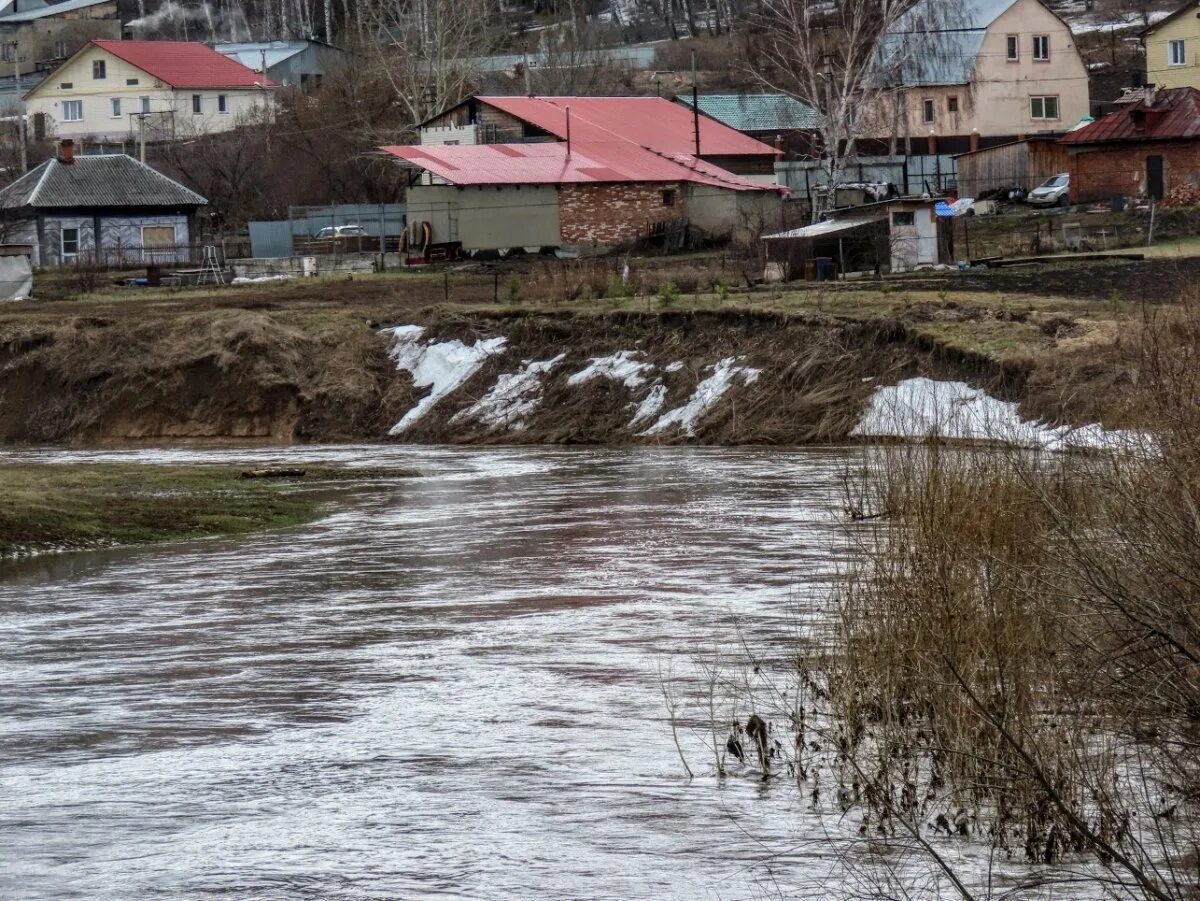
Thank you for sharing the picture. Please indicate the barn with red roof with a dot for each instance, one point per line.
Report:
(110, 90)
(585, 173)
(1144, 149)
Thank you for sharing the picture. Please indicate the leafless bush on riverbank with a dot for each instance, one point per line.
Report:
(1017, 664)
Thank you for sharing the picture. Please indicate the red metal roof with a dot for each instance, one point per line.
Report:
(650, 122)
(590, 162)
(1174, 115)
(185, 64)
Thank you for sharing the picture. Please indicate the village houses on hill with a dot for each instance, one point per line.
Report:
(1173, 48)
(109, 89)
(983, 72)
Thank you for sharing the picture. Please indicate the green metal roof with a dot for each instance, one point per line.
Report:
(757, 112)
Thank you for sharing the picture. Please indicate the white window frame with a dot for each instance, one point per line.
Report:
(223, 104)
(928, 110)
(69, 106)
(62, 242)
(1042, 98)
(1044, 41)
(145, 104)
(1177, 53)
(1012, 47)
(99, 70)
(115, 107)
(197, 104)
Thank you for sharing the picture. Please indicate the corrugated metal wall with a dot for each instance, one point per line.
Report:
(275, 238)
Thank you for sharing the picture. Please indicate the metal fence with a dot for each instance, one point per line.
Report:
(174, 255)
(911, 174)
(279, 238)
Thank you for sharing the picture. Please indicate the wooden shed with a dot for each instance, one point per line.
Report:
(1025, 164)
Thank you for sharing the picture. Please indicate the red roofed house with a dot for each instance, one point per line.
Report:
(585, 173)
(1143, 149)
(180, 88)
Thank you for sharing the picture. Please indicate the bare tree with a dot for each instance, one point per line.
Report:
(837, 60)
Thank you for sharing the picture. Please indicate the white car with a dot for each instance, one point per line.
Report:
(1051, 192)
(330, 232)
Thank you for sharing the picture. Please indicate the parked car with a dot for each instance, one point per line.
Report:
(1051, 192)
(329, 232)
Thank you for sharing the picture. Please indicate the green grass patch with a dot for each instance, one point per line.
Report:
(45, 507)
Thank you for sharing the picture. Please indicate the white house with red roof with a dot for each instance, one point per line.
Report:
(108, 89)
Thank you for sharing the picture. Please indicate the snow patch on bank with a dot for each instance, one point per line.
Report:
(620, 367)
(514, 396)
(922, 408)
(650, 405)
(442, 367)
(708, 393)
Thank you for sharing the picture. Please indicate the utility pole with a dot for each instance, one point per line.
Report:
(142, 137)
(22, 137)
(695, 105)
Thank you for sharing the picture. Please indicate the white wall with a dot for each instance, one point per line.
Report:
(168, 105)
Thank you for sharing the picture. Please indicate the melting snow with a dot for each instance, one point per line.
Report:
(707, 394)
(620, 367)
(925, 408)
(513, 396)
(650, 404)
(441, 367)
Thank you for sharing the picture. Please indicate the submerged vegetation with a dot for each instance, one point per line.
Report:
(51, 507)
(1016, 665)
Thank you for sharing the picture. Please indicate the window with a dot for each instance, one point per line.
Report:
(197, 104)
(131, 81)
(158, 237)
(908, 218)
(145, 104)
(668, 197)
(1041, 48)
(72, 110)
(9, 50)
(66, 85)
(98, 69)
(1177, 53)
(1014, 48)
(927, 110)
(116, 107)
(222, 103)
(1043, 107)
(70, 243)
(952, 104)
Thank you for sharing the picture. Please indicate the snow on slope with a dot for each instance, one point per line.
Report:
(441, 367)
(706, 396)
(514, 396)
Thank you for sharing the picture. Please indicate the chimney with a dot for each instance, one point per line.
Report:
(933, 144)
(974, 139)
(1151, 93)
(66, 152)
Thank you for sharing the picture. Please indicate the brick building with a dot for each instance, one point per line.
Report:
(1145, 149)
(589, 195)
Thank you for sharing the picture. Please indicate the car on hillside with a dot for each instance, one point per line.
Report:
(1052, 192)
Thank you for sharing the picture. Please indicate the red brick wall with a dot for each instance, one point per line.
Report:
(613, 214)
(1099, 174)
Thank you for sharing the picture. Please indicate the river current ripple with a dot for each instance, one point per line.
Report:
(450, 686)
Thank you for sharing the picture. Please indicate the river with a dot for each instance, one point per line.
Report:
(449, 686)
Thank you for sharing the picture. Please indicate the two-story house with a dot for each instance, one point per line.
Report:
(1173, 49)
(111, 90)
(980, 73)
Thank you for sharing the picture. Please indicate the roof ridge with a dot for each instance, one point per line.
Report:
(41, 181)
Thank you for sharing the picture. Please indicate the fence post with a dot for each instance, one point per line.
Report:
(445, 284)
(496, 286)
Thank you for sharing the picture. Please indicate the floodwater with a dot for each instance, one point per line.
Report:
(450, 686)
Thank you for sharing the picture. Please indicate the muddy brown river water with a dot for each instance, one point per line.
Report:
(450, 686)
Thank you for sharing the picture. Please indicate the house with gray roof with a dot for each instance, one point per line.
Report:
(107, 208)
(776, 119)
(294, 64)
(981, 72)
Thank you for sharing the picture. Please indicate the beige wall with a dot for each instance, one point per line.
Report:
(1159, 71)
(168, 104)
(997, 101)
(740, 215)
(486, 218)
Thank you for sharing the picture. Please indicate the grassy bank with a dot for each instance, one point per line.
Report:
(65, 507)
